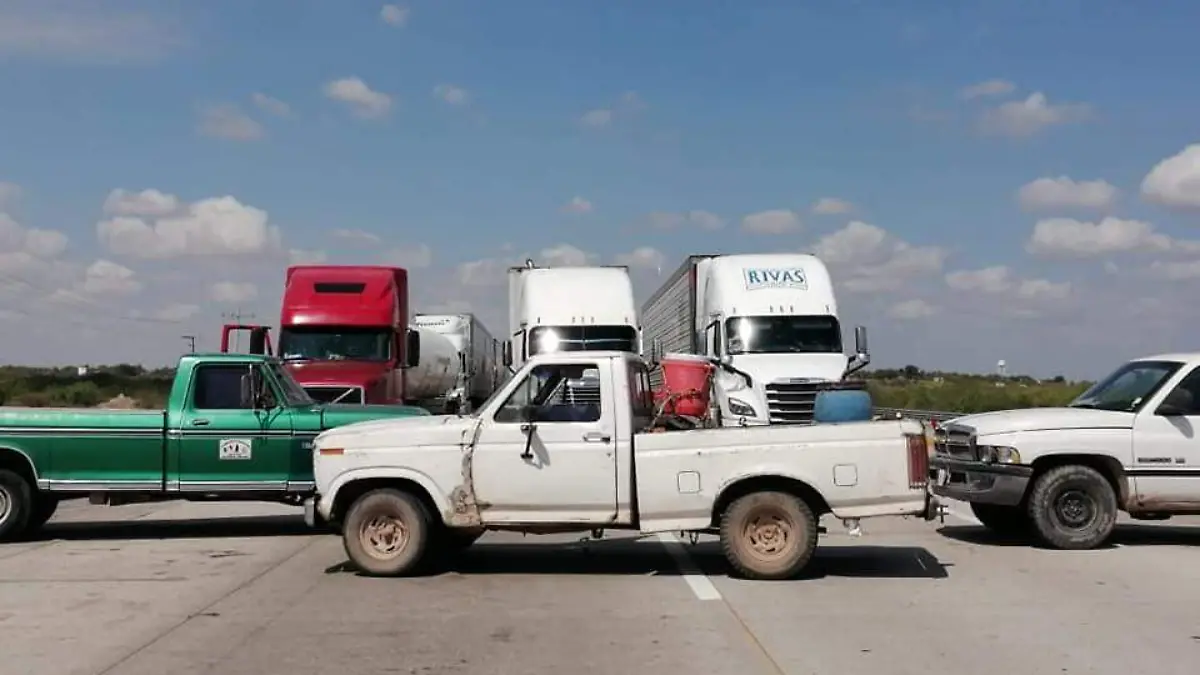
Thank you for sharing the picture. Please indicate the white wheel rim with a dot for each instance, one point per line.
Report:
(5, 505)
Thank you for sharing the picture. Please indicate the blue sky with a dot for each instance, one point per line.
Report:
(480, 122)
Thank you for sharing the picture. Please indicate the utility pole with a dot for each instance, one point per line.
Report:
(236, 316)
(191, 341)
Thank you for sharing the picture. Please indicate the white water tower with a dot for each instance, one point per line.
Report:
(1002, 368)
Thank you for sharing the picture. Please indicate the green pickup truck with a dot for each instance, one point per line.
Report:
(236, 427)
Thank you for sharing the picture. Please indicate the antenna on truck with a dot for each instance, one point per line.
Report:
(529, 263)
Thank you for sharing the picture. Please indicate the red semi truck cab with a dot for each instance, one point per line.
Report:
(344, 332)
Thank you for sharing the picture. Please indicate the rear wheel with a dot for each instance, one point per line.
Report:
(769, 535)
(1005, 520)
(16, 505)
(387, 533)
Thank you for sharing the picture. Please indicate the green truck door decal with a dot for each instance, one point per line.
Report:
(225, 442)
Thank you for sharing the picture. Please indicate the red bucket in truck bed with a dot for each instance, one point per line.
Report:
(685, 384)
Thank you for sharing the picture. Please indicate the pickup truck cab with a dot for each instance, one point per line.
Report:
(1128, 443)
(548, 452)
(236, 426)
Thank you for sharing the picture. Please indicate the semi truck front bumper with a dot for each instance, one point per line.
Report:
(980, 482)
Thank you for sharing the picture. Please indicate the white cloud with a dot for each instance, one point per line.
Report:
(600, 117)
(911, 310)
(363, 101)
(1067, 237)
(105, 277)
(146, 204)
(451, 94)
(1175, 271)
(669, 220)
(356, 235)
(228, 121)
(577, 205)
(233, 292)
(271, 104)
(410, 257)
(1175, 181)
(866, 258)
(1048, 194)
(988, 88)
(774, 221)
(45, 243)
(394, 15)
(38, 243)
(832, 206)
(1000, 280)
(208, 227)
(97, 35)
(490, 272)
(1020, 119)
(642, 257)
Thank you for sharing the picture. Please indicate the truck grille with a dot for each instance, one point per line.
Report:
(955, 441)
(336, 394)
(792, 402)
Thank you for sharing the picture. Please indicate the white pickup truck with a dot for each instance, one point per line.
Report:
(1129, 443)
(532, 460)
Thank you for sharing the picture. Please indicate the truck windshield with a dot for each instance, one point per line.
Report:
(775, 334)
(293, 393)
(1128, 387)
(335, 343)
(546, 339)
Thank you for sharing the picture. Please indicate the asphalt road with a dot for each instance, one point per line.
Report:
(231, 589)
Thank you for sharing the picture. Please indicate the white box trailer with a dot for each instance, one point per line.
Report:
(770, 321)
(478, 371)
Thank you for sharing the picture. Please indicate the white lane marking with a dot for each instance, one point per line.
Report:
(699, 582)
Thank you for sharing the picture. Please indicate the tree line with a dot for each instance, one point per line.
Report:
(908, 387)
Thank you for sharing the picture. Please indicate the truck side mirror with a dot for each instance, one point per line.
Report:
(251, 389)
(506, 353)
(861, 348)
(412, 348)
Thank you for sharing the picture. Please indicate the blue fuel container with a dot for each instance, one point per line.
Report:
(842, 405)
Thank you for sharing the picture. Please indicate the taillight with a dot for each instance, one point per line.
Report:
(918, 461)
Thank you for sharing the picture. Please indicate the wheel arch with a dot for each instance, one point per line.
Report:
(769, 482)
(356, 487)
(1109, 467)
(19, 461)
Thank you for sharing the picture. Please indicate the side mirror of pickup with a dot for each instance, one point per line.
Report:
(528, 416)
(251, 389)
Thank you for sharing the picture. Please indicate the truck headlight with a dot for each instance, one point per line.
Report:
(999, 454)
(740, 408)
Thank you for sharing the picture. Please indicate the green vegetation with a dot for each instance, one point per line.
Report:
(912, 388)
(102, 385)
(907, 387)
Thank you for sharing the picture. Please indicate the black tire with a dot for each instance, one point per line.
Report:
(374, 516)
(1073, 507)
(775, 515)
(16, 505)
(1009, 521)
(44, 506)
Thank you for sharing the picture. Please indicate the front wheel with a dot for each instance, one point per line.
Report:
(769, 535)
(1073, 507)
(386, 533)
(16, 505)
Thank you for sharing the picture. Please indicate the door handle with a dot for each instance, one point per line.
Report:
(596, 437)
(199, 423)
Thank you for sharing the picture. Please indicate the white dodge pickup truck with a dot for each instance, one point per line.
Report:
(1129, 443)
(548, 454)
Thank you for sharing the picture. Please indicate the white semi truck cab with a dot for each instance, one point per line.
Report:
(769, 321)
(568, 309)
